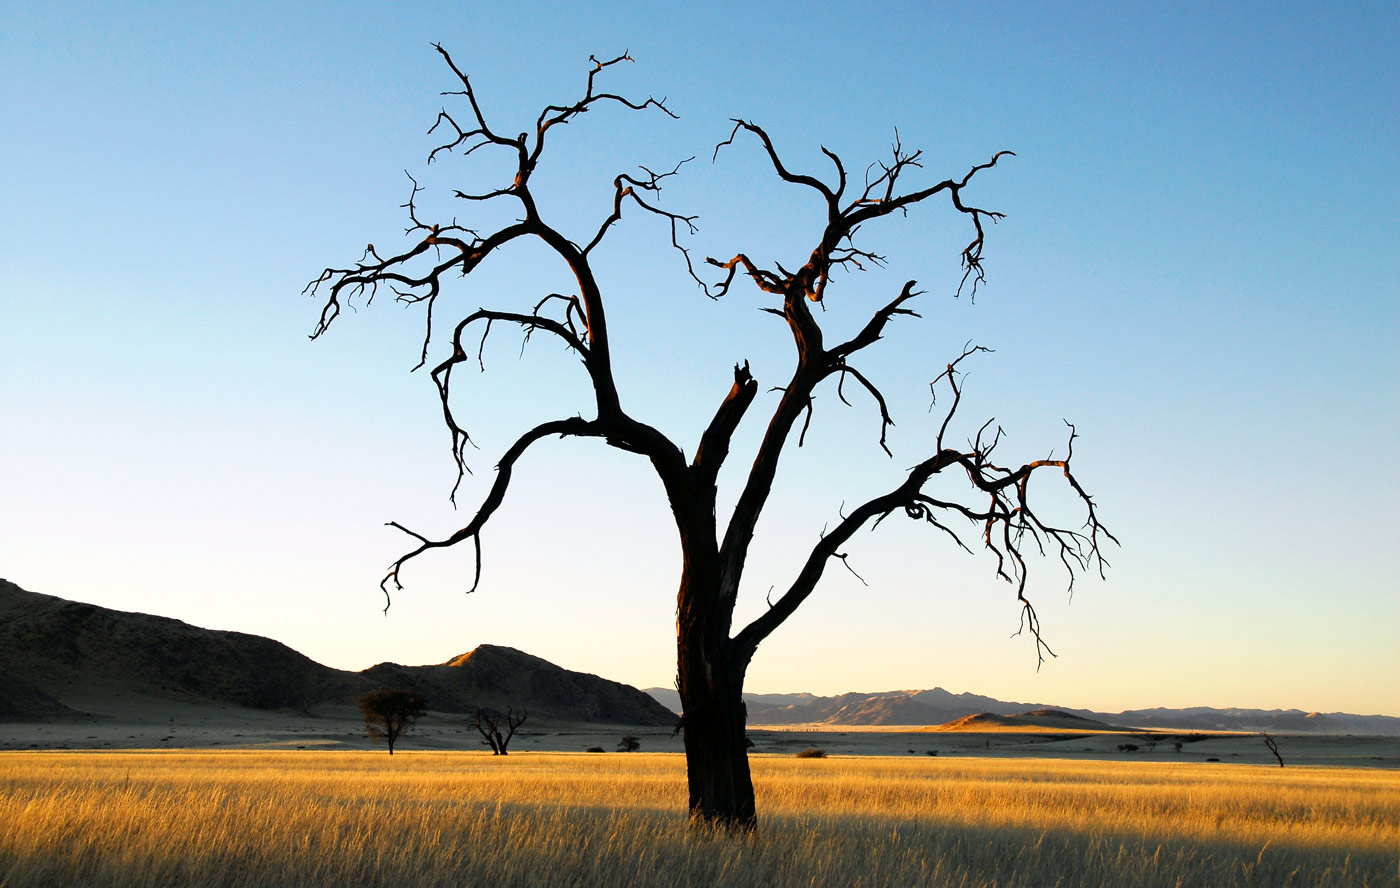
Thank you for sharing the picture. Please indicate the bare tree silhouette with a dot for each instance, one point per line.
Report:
(712, 658)
(488, 723)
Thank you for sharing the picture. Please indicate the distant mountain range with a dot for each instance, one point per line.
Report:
(938, 707)
(61, 659)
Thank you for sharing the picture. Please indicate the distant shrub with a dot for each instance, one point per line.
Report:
(813, 753)
(931, 752)
(594, 749)
(629, 744)
(1127, 747)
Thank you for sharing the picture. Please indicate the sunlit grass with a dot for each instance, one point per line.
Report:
(360, 819)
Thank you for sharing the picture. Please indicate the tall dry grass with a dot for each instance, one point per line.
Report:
(363, 819)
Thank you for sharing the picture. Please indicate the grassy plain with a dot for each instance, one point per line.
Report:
(339, 818)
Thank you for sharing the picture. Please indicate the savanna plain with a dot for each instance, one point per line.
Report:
(451, 818)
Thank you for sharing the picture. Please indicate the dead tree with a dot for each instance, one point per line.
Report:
(1273, 747)
(712, 654)
(488, 723)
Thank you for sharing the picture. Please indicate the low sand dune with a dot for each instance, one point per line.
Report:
(1039, 721)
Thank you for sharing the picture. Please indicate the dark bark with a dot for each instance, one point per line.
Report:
(716, 752)
(488, 723)
(710, 680)
(712, 659)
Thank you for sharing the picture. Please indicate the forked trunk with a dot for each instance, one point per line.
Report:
(711, 684)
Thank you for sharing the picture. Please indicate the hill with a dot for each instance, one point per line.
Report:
(936, 707)
(79, 653)
(61, 659)
(500, 677)
(888, 708)
(1036, 721)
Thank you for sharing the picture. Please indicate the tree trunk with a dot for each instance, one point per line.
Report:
(711, 683)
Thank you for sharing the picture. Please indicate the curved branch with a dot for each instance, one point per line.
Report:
(553, 115)
(367, 277)
(653, 184)
(840, 172)
(482, 131)
(885, 420)
(1006, 520)
(867, 207)
(442, 373)
(574, 426)
(783, 172)
(763, 279)
(878, 198)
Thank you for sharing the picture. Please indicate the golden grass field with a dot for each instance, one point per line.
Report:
(337, 818)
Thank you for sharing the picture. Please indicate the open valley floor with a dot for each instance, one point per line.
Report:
(323, 817)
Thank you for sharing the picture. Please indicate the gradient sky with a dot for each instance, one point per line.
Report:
(1198, 268)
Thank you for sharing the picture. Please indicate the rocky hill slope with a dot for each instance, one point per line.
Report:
(59, 658)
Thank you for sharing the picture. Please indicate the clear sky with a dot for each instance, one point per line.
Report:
(1198, 268)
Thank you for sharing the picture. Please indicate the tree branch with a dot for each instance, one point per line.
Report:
(783, 173)
(1007, 520)
(553, 115)
(442, 373)
(714, 443)
(625, 186)
(870, 333)
(885, 420)
(504, 470)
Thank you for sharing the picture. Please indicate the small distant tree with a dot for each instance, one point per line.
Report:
(488, 724)
(629, 744)
(388, 713)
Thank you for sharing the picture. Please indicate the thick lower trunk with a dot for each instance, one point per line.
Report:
(716, 746)
(717, 765)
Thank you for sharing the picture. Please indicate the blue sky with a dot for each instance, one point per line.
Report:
(1198, 268)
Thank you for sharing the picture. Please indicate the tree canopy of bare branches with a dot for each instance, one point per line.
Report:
(488, 724)
(998, 513)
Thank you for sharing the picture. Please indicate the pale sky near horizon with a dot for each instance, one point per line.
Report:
(1198, 268)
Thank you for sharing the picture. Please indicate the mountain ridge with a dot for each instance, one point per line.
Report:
(62, 659)
(936, 706)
